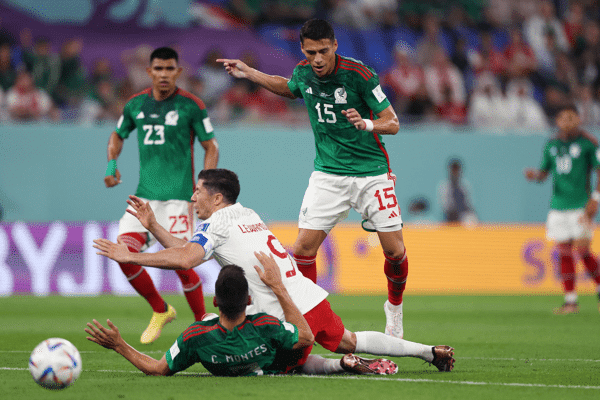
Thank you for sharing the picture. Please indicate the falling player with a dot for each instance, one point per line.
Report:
(570, 157)
(167, 120)
(352, 168)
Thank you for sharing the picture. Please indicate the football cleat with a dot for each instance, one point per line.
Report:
(567, 308)
(393, 317)
(363, 366)
(442, 358)
(158, 321)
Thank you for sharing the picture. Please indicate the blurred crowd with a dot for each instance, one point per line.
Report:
(498, 64)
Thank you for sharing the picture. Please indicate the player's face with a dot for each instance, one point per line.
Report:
(321, 55)
(164, 74)
(567, 121)
(203, 201)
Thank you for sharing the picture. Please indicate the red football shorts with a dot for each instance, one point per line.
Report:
(327, 328)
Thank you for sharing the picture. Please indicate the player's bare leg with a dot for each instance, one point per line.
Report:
(582, 247)
(396, 271)
(305, 251)
(379, 344)
(567, 270)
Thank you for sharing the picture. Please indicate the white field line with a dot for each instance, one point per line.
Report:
(371, 378)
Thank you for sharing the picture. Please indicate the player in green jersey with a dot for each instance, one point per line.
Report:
(570, 157)
(236, 344)
(168, 120)
(348, 114)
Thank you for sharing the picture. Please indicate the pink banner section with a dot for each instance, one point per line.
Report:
(58, 258)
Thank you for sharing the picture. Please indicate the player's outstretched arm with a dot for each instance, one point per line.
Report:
(535, 175)
(273, 83)
(591, 208)
(211, 153)
(386, 124)
(115, 145)
(185, 257)
(271, 276)
(111, 339)
(143, 212)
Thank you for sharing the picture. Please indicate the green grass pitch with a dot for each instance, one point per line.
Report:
(507, 347)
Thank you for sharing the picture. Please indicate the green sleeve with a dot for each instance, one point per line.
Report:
(201, 125)
(373, 94)
(284, 336)
(546, 164)
(180, 356)
(126, 124)
(594, 155)
(293, 84)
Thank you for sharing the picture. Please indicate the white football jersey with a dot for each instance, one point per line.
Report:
(232, 235)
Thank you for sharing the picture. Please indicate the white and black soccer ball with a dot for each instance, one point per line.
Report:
(55, 363)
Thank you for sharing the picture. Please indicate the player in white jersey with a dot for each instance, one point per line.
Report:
(232, 234)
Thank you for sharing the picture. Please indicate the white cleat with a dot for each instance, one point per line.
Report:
(393, 316)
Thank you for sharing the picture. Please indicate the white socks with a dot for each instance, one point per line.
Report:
(379, 344)
(317, 365)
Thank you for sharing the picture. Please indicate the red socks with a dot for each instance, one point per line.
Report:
(192, 288)
(396, 271)
(567, 268)
(137, 276)
(307, 266)
(591, 264)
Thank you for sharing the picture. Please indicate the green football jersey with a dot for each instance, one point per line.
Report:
(166, 131)
(571, 164)
(255, 347)
(342, 149)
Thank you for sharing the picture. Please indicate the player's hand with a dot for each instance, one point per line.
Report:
(235, 68)
(115, 251)
(530, 174)
(591, 208)
(354, 118)
(142, 211)
(107, 338)
(271, 276)
(112, 180)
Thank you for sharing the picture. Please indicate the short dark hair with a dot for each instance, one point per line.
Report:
(164, 53)
(316, 29)
(222, 181)
(455, 162)
(231, 291)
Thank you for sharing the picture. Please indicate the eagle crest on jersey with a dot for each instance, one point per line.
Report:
(340, 96)
(171, 118)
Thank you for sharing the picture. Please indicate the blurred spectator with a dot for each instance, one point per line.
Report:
(565, 74)
(542, 24)
(43, 64)
(522, 111)
(573, 23)
(406, 82)
(101, 71)
(418, 211)
(449, 110)
(588, 107)
(431, 40)
(136, 61)
(555, 100)
(455, 196)
(102, 105)
(5, 36)
(487, 108)
(248, 11)
(441, 76)
(196, 86)
(8, 73)
(587, 50)
(520, 59)
(216, 80)
(71, 87)
(460, 57)
(25, 102)
(486, 58)
(588, 70)
(364, 14)
(288, 12)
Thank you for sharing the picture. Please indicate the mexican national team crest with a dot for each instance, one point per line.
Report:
(171, 118)
(340, 96)
(574, 150)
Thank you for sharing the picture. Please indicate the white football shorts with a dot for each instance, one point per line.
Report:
(565, 225)
(175, 216)
(329, 197)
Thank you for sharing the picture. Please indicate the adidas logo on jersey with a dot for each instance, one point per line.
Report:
(140, 115)
(309, 90)
(393, 215)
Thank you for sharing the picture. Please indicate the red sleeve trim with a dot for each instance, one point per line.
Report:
(352, 66)
(303, 63)
(145, 91)
(188, 95)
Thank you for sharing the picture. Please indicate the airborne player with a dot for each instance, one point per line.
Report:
(348, 113)
(168, 120)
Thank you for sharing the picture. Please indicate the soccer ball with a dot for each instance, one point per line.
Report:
(55, 363)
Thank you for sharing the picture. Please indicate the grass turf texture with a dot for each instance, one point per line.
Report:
(507, 347)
